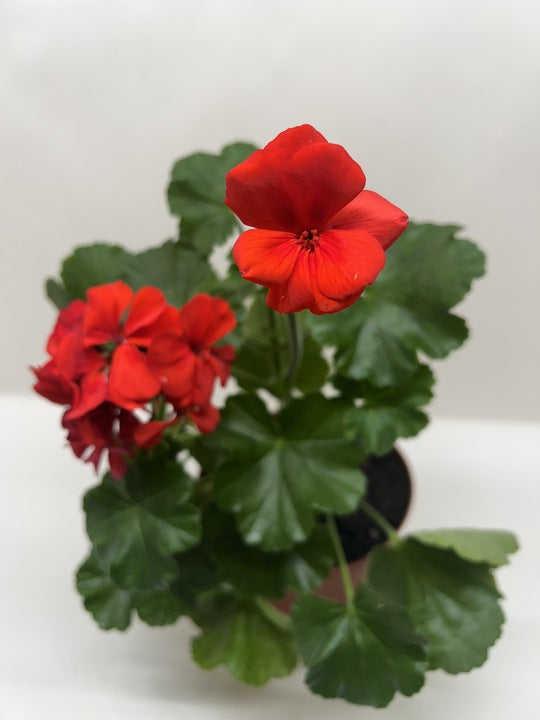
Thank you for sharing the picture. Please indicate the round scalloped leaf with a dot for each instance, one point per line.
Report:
(137, 524)
(176, 270)
(389, 413)
(428, 271)
(247, 642)
(453, 603)
(196, 193)
(93, 265)
(363, 654)
(109, 605)
(159, 606)
(280, 471)
(477, 545)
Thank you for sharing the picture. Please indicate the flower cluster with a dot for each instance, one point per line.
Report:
(128, 365)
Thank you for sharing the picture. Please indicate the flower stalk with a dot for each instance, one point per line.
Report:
(381, 521)
(342, 560)
(296, 348)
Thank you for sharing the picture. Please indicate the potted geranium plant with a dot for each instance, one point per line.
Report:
(235, 517)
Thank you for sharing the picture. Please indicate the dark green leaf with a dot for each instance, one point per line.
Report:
(363, 654)
(390, 413)
(112, 606)
(257, 366)
(263, 355)
(313, 369)
(251, 571)
(198, 574)
(159, 606)
(177, 271)
(453, 603)
(484, 546)
(137, 524)
(308, 564)
(109, 605)
(428, 271)
(196, 194)
(248, 643)
(279, 471)
(57, 293)
(92, 265)
(429, 264)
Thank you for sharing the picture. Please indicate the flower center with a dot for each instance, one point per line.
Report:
(309, 239)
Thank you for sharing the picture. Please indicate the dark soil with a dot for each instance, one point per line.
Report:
(389, 491)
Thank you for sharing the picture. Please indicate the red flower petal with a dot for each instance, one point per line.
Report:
(132, 383)
(168, 323)
(52, 385)
(221, 359)
(206, 418)
(70, 321)
(74, 360)
(106, 305)
(203, 384)
(266, 256)
(150, 433)
(118, 462)
(94, 433)
(205, 320)
(255, 190)
(284, 145)
(147, 305)
(93, 392)
(346, 261)
(295, 293)
(321, 179)
(373, 213)
(172, 358)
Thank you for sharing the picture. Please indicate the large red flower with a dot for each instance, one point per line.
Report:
(320, 237)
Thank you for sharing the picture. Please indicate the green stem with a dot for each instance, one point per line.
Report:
(381, 521)
(275, 345)
(271, 612)
(158, 408)
(296, 348)
(342, 560)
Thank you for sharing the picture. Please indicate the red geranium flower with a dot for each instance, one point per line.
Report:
(104, 429)
(73, 374)
(53, 385)
(186, 356)
(71, 358)
(123, 323)
(320, 237)
(121, 350)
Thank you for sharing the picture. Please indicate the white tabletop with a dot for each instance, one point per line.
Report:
(56, 664)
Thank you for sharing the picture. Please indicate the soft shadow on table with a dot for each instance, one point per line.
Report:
(157, 663)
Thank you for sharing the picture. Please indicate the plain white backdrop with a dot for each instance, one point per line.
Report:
(438, 101)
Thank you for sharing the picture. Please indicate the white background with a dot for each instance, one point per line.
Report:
(438, 101)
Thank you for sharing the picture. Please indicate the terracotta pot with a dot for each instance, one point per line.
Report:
(388, 491)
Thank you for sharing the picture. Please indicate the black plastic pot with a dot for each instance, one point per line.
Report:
(389, 492)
